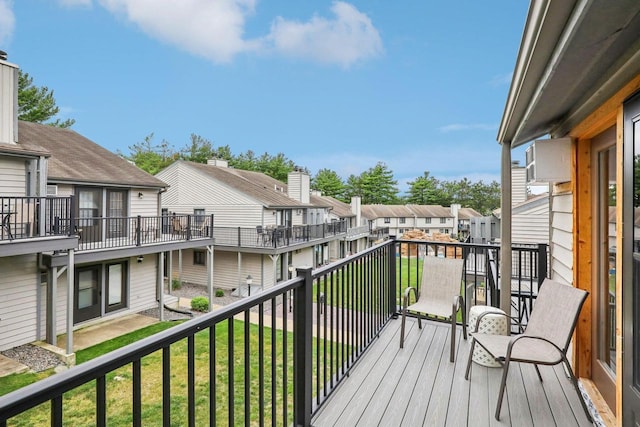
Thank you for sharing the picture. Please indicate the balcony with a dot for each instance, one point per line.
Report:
(132, 236)
(333, 359)
(29, 224)
(268, 239)
(359, 232)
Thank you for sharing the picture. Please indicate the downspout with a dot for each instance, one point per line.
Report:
(505, 229)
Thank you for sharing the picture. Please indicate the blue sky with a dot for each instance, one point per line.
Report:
(418, 84)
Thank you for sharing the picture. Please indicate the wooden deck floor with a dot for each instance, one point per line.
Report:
(418, 386)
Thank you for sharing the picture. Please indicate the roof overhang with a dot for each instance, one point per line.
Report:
(574, 55)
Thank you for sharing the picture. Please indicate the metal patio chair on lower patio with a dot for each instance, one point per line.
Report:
(439, 295)
(545, 339)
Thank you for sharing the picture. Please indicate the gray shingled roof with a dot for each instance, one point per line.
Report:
(338, 208)
(75, 158)
(468, 213)
(405, 211)
(23, 150)
(266, 190)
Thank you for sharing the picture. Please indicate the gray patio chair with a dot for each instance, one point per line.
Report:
(545, 340)
(439, 295)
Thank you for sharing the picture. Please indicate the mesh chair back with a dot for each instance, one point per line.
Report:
(441, 279)
(555, 312)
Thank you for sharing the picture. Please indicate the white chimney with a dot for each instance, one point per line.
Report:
(299, 186)
(218, 162)
(455, 209)
(8, 101)
(518, 183)
(356, 208)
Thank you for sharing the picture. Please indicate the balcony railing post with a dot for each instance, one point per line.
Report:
(72, 216)
(138, 230)
(542, 263)
(239, 237)
(392, 279)
(302, 349)
(210, 234)
(188, 227)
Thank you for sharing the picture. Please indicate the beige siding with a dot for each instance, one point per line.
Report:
(145, 206)
(518, 185)
(8, 93)
(65, 190)
(18, 309)
(12, 176)
(189, 189)
(225, 269)
(531, 225)
(561, 246)
(303, 257)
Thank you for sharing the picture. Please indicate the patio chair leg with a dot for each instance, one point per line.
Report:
(404, 315)
(538, 371)
(464, 319)
(473, 344)
(503, 385)
(453, 339)
(574, 380)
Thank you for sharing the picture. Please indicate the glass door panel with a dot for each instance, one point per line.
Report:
(87, 294)
(89, 214)
(116, 286)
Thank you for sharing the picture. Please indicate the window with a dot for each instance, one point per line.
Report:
(387, 220)
(199, 258)
(443, 220)
(402, 220)
(427, 220)
(198, 217)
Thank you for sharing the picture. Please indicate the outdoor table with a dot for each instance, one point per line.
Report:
(492, 324)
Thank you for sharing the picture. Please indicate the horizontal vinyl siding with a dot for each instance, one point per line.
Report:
(8, 86)
(12, 176)
(145, 206)
(65, 190)
(18, 300)
(225, 269)
(142, 283)
(531, 226)
(562, 239)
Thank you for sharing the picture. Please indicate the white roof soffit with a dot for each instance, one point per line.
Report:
(574, 55)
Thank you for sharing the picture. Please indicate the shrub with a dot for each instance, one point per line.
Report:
(200, 304)
(219, 293)
(176, 284)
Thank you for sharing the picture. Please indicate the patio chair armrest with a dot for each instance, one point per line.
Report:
(458, 301)
(494, 313)
(405, 298)
(523, 337)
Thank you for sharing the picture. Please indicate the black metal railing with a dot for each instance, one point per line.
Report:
(117, 232)
(31, 217)
(379, 233)
(277, 236)
(481, 283)
(252, 362)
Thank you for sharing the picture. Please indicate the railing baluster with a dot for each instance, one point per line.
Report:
(212, 376)
(137, 393)
(261, 362)
(302, 306)
(247, 370)
(166, 386)
(56, 411)
(101, 402)
(274, 405)
(230, 369)
(191, 379)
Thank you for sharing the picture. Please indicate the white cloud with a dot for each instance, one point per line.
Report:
(501, 79)
(349, 38)
(214, 29)
(7, 21)
(469, 126)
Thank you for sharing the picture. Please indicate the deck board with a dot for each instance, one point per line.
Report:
(418, 385)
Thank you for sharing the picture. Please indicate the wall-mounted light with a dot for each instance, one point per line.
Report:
(140, 195)
(140, 258)
(249, 282)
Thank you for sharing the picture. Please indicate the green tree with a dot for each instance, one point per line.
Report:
(375, 186)
(37, 104)
(329, 183)
(200, 149)
(425, 190)
(151, 157)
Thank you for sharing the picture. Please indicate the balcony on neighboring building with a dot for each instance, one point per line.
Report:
(278, 238)
(31, 225)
